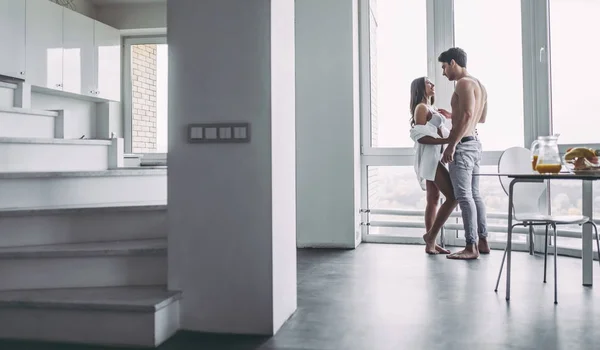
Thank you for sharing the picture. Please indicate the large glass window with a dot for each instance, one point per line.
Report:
(573, 25)
(490, 33)
(398, 55)
(405, 39)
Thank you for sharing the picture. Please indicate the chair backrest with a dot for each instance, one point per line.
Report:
(526, 196)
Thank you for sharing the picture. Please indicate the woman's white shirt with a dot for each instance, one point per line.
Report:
(427, 157)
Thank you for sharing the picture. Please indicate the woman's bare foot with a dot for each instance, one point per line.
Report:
(469, 253)
(483, 246)
(441, 250)
(430, 246)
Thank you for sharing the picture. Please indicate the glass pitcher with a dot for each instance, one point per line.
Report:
(545, 158)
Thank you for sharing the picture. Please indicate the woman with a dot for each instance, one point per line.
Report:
(429, 132)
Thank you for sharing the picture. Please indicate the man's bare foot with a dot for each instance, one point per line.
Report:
(483, 246)
(469, 253)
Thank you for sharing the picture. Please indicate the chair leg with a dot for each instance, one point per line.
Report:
(501, 268)
(555, 267)
(597, 239)
(545, 253)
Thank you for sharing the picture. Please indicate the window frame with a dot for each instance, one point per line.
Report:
(158, 39)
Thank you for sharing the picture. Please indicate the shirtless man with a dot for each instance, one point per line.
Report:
(463, 154)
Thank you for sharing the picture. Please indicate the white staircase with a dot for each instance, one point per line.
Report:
(83, 253)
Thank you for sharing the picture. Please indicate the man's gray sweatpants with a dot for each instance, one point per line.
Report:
(466, 189)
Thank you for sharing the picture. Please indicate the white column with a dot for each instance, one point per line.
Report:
(327, 123)
(231, 207)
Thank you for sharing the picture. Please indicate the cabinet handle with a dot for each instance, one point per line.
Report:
(22, 73)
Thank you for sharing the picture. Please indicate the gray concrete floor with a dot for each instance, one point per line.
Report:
(381, 297)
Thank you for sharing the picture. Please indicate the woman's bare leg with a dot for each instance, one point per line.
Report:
(431, 208)
(433, 200)
(443, 183)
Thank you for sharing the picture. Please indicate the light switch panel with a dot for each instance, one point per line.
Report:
(219, 133)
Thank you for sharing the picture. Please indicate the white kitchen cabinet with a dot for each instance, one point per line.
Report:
(79, 58)
(108, 61)
(44, 48)
(12, 38)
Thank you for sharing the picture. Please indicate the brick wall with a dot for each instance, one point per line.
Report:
(143, 82)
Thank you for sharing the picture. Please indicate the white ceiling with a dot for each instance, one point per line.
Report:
(113, 2)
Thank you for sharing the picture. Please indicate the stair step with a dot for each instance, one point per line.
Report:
(142, 247)
(77, 224)
(39, 154)
(80, 265)
(30, 123)
(122, 316)
(52, 189)
(84, 173)
(27, 111)
(134, 299)
(51, 141)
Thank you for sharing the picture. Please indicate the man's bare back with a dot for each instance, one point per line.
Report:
(470, 88)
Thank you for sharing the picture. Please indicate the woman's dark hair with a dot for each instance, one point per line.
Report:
(417, 95)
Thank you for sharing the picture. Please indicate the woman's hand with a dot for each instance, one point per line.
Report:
(445, 113)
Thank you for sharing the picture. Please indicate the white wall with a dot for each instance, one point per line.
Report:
(134, 16)
(80, 118)
(327, 123)
(231, 206)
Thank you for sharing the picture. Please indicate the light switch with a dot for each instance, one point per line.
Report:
(225, 133)
(196, 133)
(210, 133)
(239, 132)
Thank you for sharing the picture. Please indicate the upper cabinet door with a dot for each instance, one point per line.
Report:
(108, 61)
(44, 44)
(12, 38)
(79, 66)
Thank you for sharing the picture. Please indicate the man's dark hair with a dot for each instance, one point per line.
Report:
(457, 54)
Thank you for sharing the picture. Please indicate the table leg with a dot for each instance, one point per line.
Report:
(586, 240)
(509, 237)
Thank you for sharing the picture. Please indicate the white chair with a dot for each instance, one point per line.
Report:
(526, 209)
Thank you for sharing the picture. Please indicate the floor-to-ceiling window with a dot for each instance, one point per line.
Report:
(573, 73)
(536, 66)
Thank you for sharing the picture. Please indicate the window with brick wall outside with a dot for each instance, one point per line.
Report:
(149, 98)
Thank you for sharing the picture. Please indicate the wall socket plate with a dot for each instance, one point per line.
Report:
(219, 133)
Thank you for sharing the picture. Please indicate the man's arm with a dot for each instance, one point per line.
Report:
(466, 107)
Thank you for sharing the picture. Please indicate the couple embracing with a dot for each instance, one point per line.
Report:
(458, 148)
